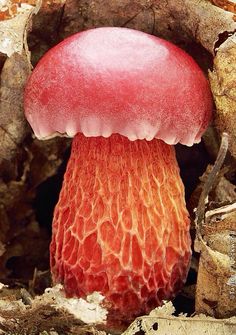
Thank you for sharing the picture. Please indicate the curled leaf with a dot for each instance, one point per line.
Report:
(223, 83)
(14, 20)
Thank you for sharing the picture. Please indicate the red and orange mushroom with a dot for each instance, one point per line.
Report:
(121, 226)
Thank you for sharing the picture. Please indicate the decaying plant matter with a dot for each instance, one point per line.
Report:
(223, 82)
(216, 240)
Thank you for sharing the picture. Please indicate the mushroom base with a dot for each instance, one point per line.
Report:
(121, 226)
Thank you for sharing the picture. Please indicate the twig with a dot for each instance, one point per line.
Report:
(200, 212)
(26, 297)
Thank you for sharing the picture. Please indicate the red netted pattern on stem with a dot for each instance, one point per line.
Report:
(121, 226)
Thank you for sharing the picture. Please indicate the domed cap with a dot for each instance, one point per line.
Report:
(118, 80)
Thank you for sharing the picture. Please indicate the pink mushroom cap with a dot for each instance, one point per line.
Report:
(117, 80)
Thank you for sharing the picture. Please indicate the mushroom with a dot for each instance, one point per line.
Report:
(120, 226)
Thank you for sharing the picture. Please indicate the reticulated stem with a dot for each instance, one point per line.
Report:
(121, 226)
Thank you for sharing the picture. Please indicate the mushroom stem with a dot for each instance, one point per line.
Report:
(121, 226)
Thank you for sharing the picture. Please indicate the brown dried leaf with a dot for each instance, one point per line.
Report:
(13, 126)
(216, 242)
(20, 174)
(223, 83)
(216, 286)
(225, 191)
(161, 321)
(177, 20)
(200, 20)
(27, 242)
